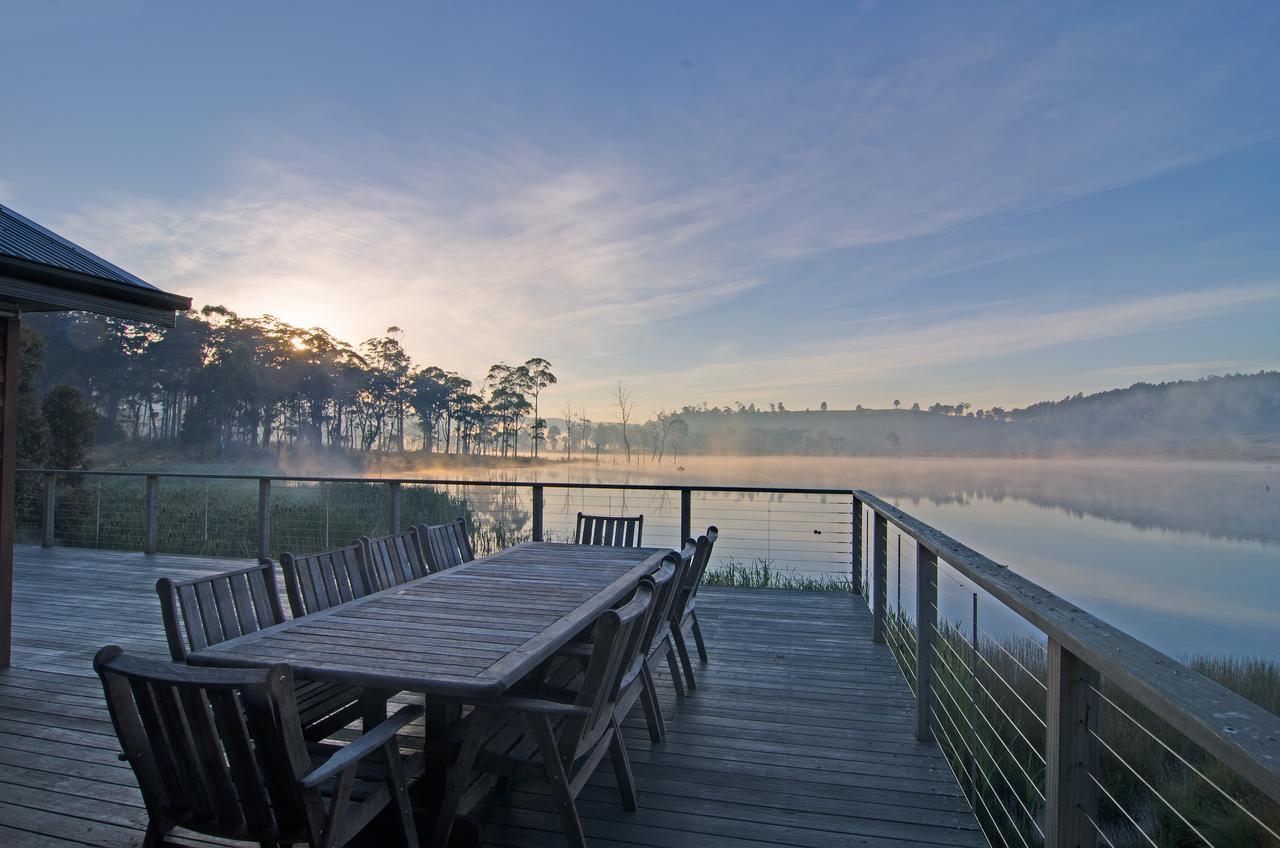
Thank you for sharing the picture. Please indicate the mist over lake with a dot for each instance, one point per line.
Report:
(1184, 555)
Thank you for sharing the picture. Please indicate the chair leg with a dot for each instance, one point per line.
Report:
(459, 772)
(697, 637)
(558, 777)
(652, 706)
(683, 650)
(155, 834)
(673, 665)
(622, 769)
(399, 789)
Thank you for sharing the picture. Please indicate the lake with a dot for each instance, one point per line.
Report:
(1183, 555)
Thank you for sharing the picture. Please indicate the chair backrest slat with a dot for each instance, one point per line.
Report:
(394, 559)
(623, 531)
(242, 768)
(217, 750)
(445, 545)
(319, 581)
(208, 610)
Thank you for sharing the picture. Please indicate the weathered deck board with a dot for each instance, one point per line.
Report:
(800, 732)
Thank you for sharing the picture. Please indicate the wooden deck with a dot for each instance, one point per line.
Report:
(800, 732)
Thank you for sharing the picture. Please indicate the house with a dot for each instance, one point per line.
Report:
(40, 271)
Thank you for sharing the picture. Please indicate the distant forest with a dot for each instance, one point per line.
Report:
(219, 380)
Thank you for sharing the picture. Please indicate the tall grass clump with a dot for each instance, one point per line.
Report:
(760, 573)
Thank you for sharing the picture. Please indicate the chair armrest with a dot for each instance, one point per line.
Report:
(365, 745)
(542, 706)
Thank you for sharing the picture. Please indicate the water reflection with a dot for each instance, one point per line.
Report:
(1183, 555)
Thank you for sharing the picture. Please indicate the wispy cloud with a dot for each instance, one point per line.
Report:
(937, 345)
(520, 259)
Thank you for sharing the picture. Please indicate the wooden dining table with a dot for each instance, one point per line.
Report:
(463, 636)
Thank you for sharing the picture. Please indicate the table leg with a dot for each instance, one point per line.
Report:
(373, 707)
(459, 773)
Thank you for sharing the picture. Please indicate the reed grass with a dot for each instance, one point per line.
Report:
(761, 573)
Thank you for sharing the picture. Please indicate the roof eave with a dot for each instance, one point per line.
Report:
(80, 286)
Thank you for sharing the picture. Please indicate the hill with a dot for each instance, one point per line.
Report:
(1232, 416)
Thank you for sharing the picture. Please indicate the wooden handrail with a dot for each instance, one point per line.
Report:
(1242, 735)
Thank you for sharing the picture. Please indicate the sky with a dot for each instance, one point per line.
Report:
(845, 202)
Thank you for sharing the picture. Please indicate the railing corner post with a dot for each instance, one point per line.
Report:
(926, 627)
(1071, 750)
(393, 506)
(537, 513)
(686, 516)
(879, 589)
(264, 517)
(151, 516)
(855, 547)
(50, 505)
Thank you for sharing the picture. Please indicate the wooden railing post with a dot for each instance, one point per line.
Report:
(264, 516)
(393, 499)
(880, 565)
(1071, 755)
(151, 516)
(855, 547)
(926, 628)
(537, 513)
(686, 516)
(47, 515)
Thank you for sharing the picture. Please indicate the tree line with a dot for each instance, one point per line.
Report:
(218, 379)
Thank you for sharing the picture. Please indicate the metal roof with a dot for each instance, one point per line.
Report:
(22, 238)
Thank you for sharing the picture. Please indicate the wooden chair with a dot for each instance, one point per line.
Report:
(616, 530)
(394, 559)
(320, 581)
(637, 682)
(560, 737)
(445, 545)
(207, 610)
(684, 609)
(222, 752)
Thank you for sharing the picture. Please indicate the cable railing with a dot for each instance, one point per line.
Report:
(1060, 729)
(771, 536)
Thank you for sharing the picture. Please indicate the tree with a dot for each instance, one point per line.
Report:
(71, 422)
(897, 404)
(539, 376)
(567, 412)
(429, 396)
(33, 430)
(625, 407)
(915, 407)
(823, 406)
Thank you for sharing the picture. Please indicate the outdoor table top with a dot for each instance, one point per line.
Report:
(469, 633)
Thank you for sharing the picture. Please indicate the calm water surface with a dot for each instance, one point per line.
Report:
(1184, 555)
